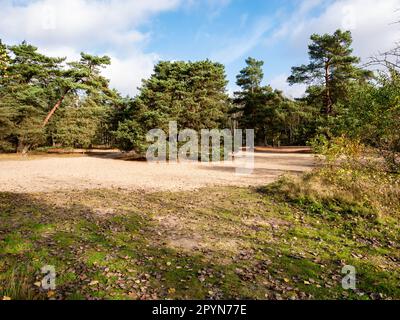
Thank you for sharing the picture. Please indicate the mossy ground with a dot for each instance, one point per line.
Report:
(215, 243)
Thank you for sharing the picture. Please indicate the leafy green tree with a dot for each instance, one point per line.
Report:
(331, 69)
(83, 76)
(251, 100)
(79, 124)
(251, 76)
(6, 112)
(372, 117)
(275, 118)
(33, 86)
(25, 92)
(191, 93)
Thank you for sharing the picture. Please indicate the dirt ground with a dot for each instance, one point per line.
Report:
(98, 172)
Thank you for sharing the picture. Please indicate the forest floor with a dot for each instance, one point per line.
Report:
(221, 242)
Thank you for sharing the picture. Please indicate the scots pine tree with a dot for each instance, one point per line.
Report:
(331, 70)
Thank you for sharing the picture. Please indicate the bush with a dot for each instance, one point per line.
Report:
(353, 179)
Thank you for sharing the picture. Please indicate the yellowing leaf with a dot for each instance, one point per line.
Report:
(171, 290)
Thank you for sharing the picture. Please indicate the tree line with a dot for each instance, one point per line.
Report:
(47, 101)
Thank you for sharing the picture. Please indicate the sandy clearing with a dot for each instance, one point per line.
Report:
(83, 173)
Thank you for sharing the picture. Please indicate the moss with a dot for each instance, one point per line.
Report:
(14, 243)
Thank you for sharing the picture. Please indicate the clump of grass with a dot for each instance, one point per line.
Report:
(17, 283)
(342, 191)
(352, 180)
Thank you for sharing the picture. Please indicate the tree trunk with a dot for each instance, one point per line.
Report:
(51, 113)
(23, 148)
(328, 97)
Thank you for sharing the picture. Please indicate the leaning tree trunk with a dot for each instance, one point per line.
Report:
(51, 113)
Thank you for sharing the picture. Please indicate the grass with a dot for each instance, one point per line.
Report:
(289, 240)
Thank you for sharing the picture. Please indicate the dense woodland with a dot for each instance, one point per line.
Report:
(50, 102)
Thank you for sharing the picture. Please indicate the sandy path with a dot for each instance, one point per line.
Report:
(51, 174)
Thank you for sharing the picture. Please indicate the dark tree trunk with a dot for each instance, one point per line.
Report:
(328, 96)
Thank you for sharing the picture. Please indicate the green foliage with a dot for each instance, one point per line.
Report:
(46, 100)
(372, 116)
(275, 118)
(250, 78)
(78, 125)
(4, 59)
(24, 96)
(331, 69)
(131, 136)
(33, 85)
(355, 111)
(191, 93)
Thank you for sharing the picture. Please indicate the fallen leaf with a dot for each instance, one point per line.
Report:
(5, 298)
(171, 290)
(133, 295)
(93, 283)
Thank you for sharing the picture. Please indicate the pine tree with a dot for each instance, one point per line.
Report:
(332, 67)
(33, 85)
(26, 88)
(250, 78)
(81, 76)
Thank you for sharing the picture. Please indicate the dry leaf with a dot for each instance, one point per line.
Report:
(93, 283)
(171, 290)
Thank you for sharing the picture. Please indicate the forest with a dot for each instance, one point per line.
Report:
(321, 225)
(50, 102)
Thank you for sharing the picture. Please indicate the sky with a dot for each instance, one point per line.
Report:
(137, 34)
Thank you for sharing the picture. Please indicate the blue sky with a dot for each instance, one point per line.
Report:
(228, 33)
(138, 33)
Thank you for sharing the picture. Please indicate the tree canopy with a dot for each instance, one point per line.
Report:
(49, 101)
(331, 69)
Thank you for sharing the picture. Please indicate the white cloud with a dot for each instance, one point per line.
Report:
(370, 21)
(67, 27)
(280, 82)
(127, 74)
